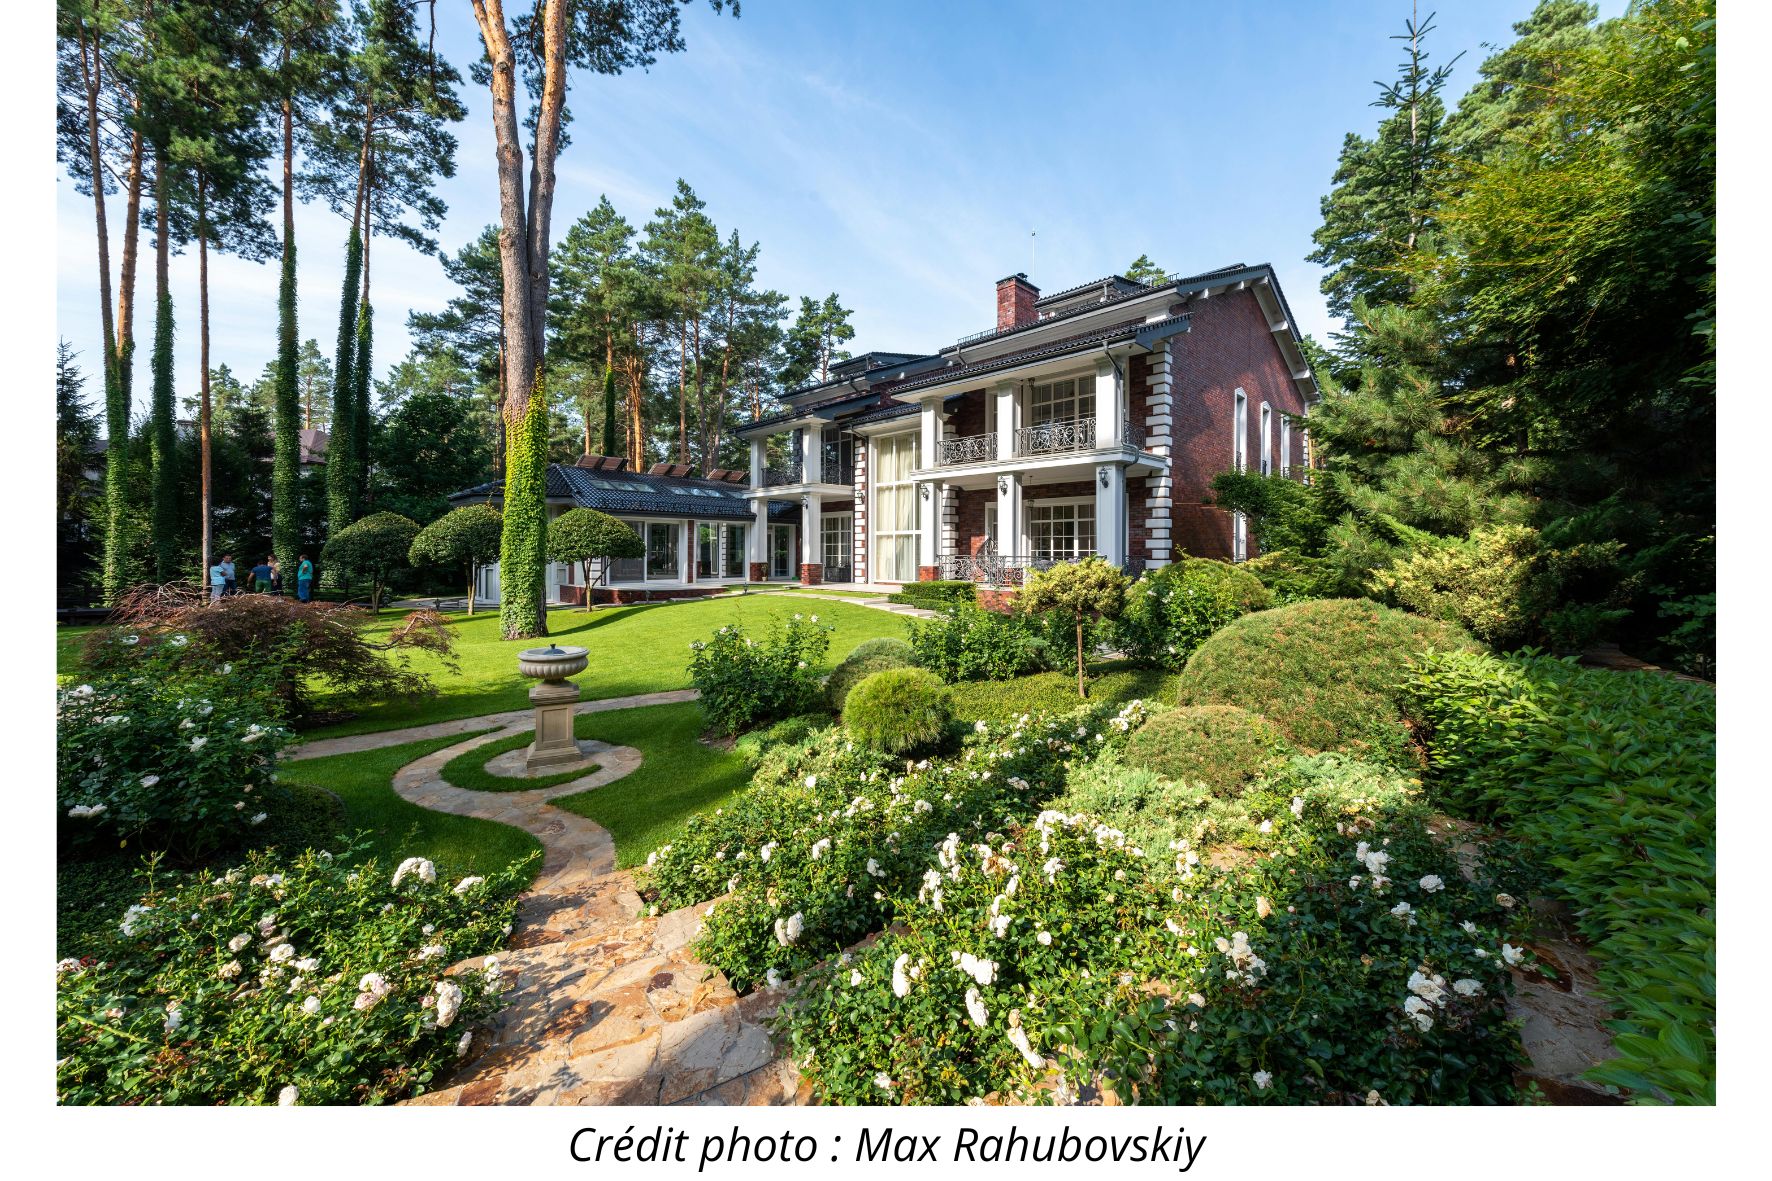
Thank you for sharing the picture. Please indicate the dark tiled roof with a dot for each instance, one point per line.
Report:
(1134, 291)
(1124, 329)
(642, 494)
(827, 404)
(895, 410)
(1119, 281)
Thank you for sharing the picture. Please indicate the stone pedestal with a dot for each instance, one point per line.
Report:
(554, 745)
(553, 699)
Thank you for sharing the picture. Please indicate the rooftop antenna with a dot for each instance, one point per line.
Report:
(1032, 235)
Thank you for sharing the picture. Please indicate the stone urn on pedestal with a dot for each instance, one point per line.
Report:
(553, 699)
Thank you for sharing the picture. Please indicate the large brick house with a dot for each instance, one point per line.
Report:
(1090, 421)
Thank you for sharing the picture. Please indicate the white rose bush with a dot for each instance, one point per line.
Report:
(312, 980)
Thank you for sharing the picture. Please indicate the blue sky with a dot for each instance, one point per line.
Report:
(905, 155)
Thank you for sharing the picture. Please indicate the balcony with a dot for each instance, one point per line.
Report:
(787, 473)
(990, 568)
(1052, 438)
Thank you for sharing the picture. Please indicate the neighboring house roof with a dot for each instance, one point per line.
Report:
(640, 494)
(313, 444)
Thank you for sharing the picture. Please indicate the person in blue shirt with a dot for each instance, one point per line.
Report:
(218, 581)
(227, 566)
(261, 577)
(304, 579)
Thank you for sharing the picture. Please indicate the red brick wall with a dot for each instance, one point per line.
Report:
(1228, 346)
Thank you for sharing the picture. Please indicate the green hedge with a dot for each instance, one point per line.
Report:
(1327, 673)
(1611, 777)
(1220, 746)
(936, 595)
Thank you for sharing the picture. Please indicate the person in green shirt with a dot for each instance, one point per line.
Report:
(304, 579)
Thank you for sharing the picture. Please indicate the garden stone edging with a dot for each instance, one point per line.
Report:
(603, 1004)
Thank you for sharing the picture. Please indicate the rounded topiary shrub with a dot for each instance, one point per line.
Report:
(882, 646)
(1221, 746)
(1171, 611)
(857, 669)
(1328, 673)
(899, 710)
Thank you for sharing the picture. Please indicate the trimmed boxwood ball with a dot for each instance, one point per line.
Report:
(854, 671)
(899, 710)
(1221, 746)
(881, 646)
(1328, 673)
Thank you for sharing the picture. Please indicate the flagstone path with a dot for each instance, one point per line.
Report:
(604, 1004)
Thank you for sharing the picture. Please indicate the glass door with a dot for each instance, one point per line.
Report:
(781, 551)
(837, 532)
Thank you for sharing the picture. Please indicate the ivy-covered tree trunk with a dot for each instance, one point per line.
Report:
(286, 445)
(360, 430)
(341, 493)
(162, 440)
(522, 551)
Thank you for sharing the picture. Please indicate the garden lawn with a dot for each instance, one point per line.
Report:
(642, 648)
(469, 770)
(1113, 682)
(397, 829)
(680, 776)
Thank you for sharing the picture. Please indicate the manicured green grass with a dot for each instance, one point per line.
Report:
(642, 648)
(396, 829)
(679, 777)
(469, 770)
(996, 701)
(751, 588)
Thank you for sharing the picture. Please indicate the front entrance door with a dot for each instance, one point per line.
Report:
(781, 551)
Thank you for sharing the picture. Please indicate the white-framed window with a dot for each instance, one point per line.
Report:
(897, 509)
(1267, 440)
(837, 537)
(1285, 446)
(661, 549)
(736, 567)
(630, 569)
(1061, 530)
(1240, 433)
(990, 528)
(1062, 401)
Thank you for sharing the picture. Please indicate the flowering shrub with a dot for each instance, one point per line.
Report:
(1219, 746)
(182, 764)
(304, 981)
(1344, 960)
(971, 644)
(1172, 610)
(745, 683)
(1612, 776)
(900, 711)
(830, 830)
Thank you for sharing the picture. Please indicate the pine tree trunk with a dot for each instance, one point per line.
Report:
(116, 399)
(340, 495)
(683, 393)
(203, 364)
(162, 433)
(126, 274)
(286, 443)
(360, 368)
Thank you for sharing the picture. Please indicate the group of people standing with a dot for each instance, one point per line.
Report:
(267, 578)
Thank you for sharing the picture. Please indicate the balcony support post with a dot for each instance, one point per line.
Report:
(811, 537)
(1109, 412)
(1110, 512)
(1010, 526)
(756, 542)
(757, 461)
(1007, 420)
(811, 439)
(929, 495)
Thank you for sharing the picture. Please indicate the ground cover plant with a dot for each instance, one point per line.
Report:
(830, 829)
(1611, 778)
(679, 777)
(1171, 611)
(1327, 673)
(468, 769)
(1221, 747)
(309, 979)
(1342, 960)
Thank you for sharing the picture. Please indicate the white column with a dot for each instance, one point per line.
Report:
(757, 462)
(1009, 522)
(929, 523)
(1108, 414)
(1007, 421)
(811, 532)
(686, 565)
(756, 541)
(929, 418)
(811, 444)
(1110, 512)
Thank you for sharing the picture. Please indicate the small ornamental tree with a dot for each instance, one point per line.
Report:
(584, 535)
(467, 536)
(1081, 590)
(372, 548)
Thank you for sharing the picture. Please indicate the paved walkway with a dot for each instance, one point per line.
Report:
(604, 1004)
(508, 723)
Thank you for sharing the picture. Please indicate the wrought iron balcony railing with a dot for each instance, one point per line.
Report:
(1067, 434)
(788, 473)
(971, 449)
(1132, 434)
(993, 569)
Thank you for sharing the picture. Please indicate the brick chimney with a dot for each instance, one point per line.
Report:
(1015, 302)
